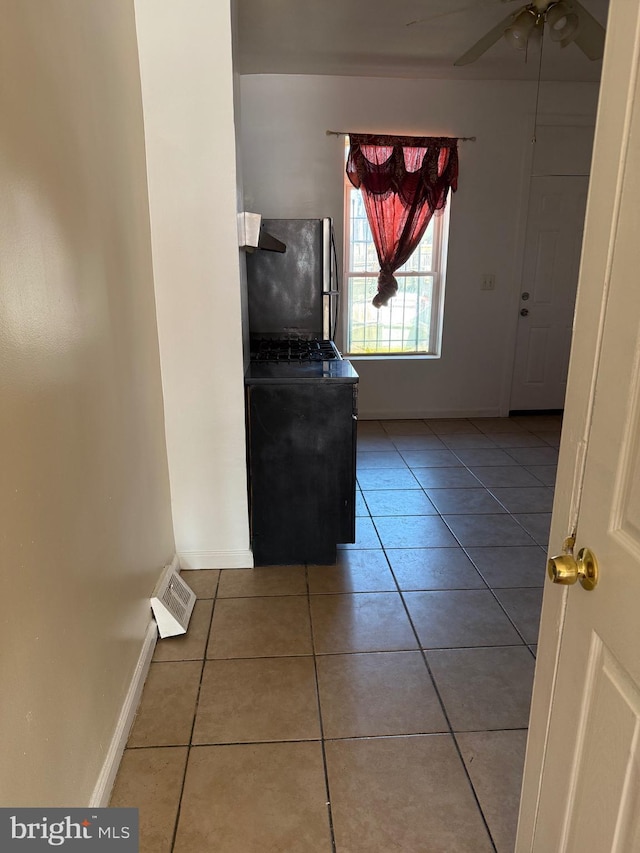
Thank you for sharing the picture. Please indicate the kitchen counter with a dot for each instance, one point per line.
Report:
(290, 373)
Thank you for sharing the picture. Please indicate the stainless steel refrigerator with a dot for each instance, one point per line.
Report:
(294, 293)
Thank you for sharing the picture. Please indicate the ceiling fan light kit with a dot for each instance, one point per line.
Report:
(517, 35)
(567, 21)
(563, 24)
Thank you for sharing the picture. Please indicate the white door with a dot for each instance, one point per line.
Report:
(581, 791)
(555, 222)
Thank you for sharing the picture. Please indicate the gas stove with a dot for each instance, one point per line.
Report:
(293, 350)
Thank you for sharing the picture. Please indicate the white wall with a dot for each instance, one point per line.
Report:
(292, 169)
(187, 89)
(85, 520)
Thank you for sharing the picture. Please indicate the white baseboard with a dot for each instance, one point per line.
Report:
(216, 559)
(395, 415)
(104, 785)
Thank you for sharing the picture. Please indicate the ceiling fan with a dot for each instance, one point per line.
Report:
(567, 21)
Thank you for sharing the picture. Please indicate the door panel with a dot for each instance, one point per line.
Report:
(536, 355)
(607, 737)
(550, 274)
(627, 519)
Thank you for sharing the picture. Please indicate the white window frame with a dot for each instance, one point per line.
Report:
(438, 272)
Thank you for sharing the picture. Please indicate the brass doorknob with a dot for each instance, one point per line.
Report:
(565, 569)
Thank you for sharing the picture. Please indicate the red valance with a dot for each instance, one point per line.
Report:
(404, 164)
(404, 180)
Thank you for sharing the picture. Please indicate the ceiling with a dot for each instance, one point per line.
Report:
(371, 38)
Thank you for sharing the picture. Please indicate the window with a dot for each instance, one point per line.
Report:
(411, 324)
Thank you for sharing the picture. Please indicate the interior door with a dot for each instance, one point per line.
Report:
(555, 222)
(581, 791)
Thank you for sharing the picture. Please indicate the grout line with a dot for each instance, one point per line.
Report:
(336, 738)
(419, 648)
(193, 722)
(520, 634)
(320, 720)
(444, 711)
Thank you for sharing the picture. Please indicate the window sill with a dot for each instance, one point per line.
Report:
(393, 357)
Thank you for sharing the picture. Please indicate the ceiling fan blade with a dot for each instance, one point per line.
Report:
(487, 40)
(478, 4)
(438, 15)
(591, 33)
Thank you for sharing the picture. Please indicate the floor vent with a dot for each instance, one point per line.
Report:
(172, 602)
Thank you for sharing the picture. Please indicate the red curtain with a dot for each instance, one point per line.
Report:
(404, 180)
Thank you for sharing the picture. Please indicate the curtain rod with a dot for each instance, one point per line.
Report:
(347, 133)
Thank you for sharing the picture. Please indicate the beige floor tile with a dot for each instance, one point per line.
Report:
(151, 781)
(545, 474)
(416, 531)
(450, 426)
(361, 507)
(446, 478)
(525, 500)
(464, 501)
(355, 571)
(417, 442)
(491, 425)
(254, 798)
(551, 437)
(467, 440)
(434, 568)
(484, 688)
(484, 456)
(535, 455)
(386, 478)
(523, 607)
(378, 441)
(406, 794)
(366, 536)
(494, 761)
(519, 566)
(515, 439)
(406, 427)
(382, 502)
(537, 525)
(504, 476)
(537, 422)
(370, 428)
(487, 530)
(430, 458)
(189, 646)
(381, 693)
(260, 627)
(203, 582)
(260, 699)
(379, 458)
(362, 622)
(458, 618)
(165, 715)
(266, 580)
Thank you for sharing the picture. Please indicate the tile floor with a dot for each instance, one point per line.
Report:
(377, 705)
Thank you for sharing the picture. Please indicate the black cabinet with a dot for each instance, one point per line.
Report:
(301, 455)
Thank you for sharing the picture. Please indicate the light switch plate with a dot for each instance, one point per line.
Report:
(488, 281)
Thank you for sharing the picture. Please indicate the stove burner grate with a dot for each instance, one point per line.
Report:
(293, 350)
